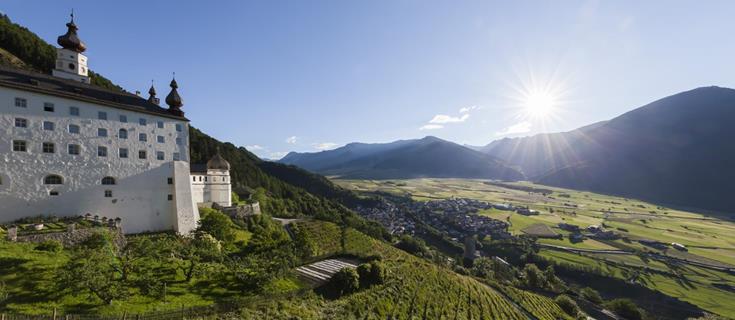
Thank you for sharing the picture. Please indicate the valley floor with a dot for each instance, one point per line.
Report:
(698, 275)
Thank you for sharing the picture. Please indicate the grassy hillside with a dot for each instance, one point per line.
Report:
(414, 288)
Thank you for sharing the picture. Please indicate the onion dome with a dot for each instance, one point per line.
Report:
(173, 99)
(218, 163)
(71, 40)
(152, 95)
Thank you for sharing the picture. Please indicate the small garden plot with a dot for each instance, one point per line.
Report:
(540, 230)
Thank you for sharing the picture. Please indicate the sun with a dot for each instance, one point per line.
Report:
(539, 104)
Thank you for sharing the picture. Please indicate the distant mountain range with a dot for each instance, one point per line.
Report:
(427, 157)
(678, 150)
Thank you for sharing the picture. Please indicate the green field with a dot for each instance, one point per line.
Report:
(709, 239)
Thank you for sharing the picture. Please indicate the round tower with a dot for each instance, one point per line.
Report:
(218, 181)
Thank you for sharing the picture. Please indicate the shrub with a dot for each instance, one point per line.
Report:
(4, 292)
(625, 308)
(591, 295)
(567, 304)
(50, 246)
(344, 282)
(371, 273)
(534, 277)
(412, 245)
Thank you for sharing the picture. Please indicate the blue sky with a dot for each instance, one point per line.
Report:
(279, 76)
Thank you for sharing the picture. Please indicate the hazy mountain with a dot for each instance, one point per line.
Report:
(676, 150)
(427, 157)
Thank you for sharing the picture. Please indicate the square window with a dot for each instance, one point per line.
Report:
(48, 125)
(170, 197)
(49, 147)
(142, 121)
(177, 156)
(74, 149)
(142, 154)
(21, 103)
(19, 145)
(159, 155)
(161, 139)
(74, 111)
(102, 115)
(142, 137)
(73, 128)
(108, 193)
(123, 118)
(102, 132)
(101, 151)
(123, 152)
(160, 124)
(48, 107)
(170, 180)
(179, 141)
(21, 123)
(179, 127)
(122, 134)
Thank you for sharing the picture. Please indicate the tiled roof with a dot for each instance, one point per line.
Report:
(46, 84)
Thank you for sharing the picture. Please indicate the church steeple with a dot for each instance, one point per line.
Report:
(70, 62)
(173, 99)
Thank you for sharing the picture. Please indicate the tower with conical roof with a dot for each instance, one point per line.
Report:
(70, 62)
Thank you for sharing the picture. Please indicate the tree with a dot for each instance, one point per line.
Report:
(412, 245)
(567, 304)
(93, 268)
(591, 295)
(483, 268)
(371, 273)
(194, 255)
(625, 308)
(345, 281)
(533, 277)
(217, 224)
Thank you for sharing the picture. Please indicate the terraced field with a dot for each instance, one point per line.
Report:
(710, 239)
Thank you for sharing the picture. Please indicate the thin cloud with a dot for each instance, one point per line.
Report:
(277, 155)
(431, 127)
(468, 109)
(291, 140)
(324, 146)
(443, 118)
(254, 147)
(521, 127)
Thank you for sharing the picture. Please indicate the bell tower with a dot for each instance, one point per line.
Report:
(70, 62)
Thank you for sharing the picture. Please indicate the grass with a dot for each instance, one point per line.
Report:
(709, 239)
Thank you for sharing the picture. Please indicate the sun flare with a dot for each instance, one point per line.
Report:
(539, 104)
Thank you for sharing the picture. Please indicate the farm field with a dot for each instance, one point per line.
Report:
(709, 239)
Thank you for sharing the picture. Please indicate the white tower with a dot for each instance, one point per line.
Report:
(70, 62)
(218, 174)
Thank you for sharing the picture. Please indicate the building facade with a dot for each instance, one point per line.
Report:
(69, 148)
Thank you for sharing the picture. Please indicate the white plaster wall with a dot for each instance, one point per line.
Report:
(140, 197)
(185, 211)
(215, 186)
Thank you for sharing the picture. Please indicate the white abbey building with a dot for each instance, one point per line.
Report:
(69, 148)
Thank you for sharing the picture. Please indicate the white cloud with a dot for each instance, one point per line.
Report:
(291, 140)
(468, 109)
(431, 127)
(521, 127)
(324, 146)
(443, 118)
(254, 147)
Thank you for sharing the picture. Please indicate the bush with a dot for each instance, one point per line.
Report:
(625, 308)
(533, 277)
(591, 295)
(371, 273)
(412, 245)
(344, 282)
(50, 246)
(567, 304)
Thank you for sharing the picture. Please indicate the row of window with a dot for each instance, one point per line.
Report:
(75, 149)
(101, 132)
(102, 115)
(54, 179)
(214, 179)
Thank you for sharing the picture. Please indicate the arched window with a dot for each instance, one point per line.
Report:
(53, 179)
(108, 181)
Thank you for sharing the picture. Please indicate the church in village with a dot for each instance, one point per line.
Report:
(70, 148)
